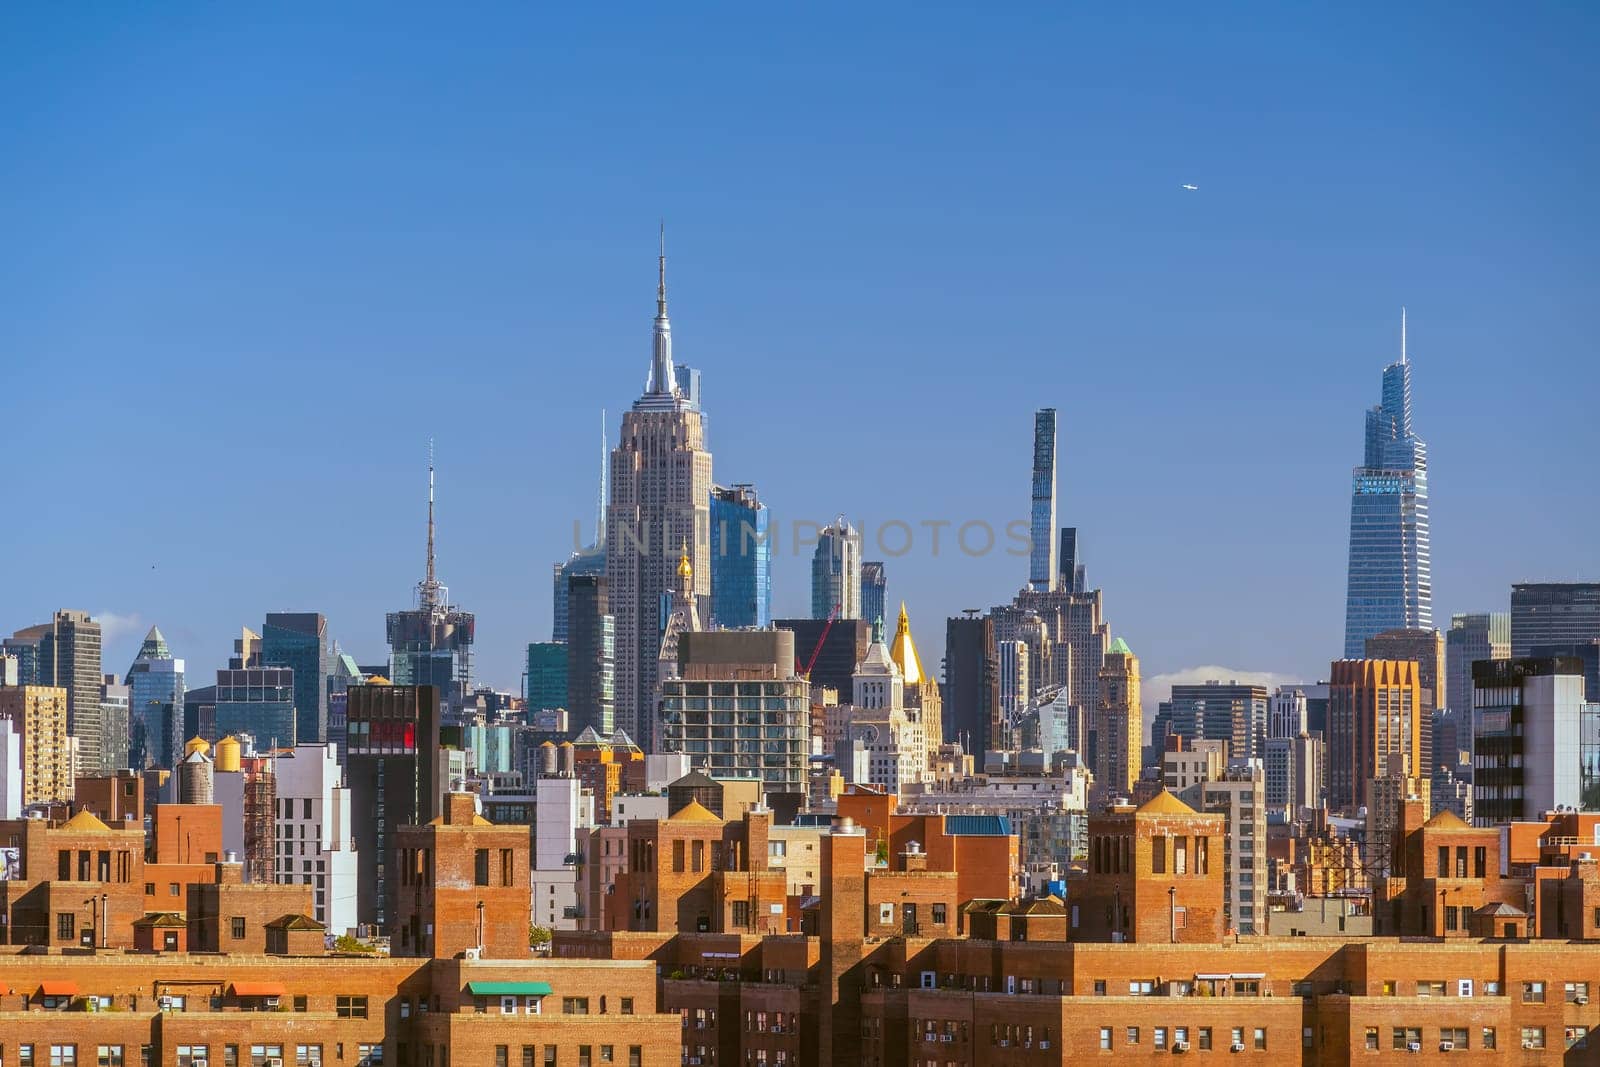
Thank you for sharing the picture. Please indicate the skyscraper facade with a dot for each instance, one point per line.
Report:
(1042, 575)
(69, 657)
(1232, 712)
(1390, 583)
(431, 644)
(588, 561)
(258, 701)
(591, 656)
(546, 686)
(874, 591)
(741, 559)
(155, 705)
(659, 508)
(1472, 637)
(1551, 613)
(1527, 745)
(299, 640)
(836, 572)
(1374, 727)
(113, 723)
(38, 715)
(971, 681)
(1117, 731)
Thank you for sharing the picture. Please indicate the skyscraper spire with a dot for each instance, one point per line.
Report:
(600, 513)
(662, 379)
(429, 590)
(1402, 333)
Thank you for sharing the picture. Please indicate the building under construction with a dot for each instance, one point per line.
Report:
(432, 643)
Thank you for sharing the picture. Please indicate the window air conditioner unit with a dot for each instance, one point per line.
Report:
(947, 1037)
(1413, 1046)
(1005, 1042)
(1529, 1044)
(1237, 1046)
(472, 954)
(274, 1062)
(1447, 1046)
(197, 1063)
(1044, 1044)
(1581, 999)
(166, 1002)
(1180, 1046)
(271, 1002)
(314, 1063)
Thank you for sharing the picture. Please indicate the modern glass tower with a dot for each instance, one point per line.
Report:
(1390, 578)
(299, 640)
(874, 591)
(155, 705)
(836, 572)
(741, 559)
(1042, 526)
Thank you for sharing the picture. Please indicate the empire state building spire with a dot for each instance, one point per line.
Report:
(662, 378)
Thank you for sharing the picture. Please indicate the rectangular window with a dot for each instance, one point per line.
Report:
(1105, 1039)
(635, 1056)
(1133, 1035)
(1533, 1037)
(1261, 1039)
(575, 1005)
(627, 1005)
(1456, 1035)
(63, 1055)
(1575, 990)
(500, 1056)
(1372, 1039)
(550, 1056)
(1161, 1038)
(236, 927)
(1205, 1038)
(508, 870)
(939, 915)
(528, 1056)
(188, 1054)
(1488, 1037)
(586, 1052)
(351, 1007)
(1158, 855)
(1533, 992)
(66, 926)
(608, 1054)
(677, 857)
(480, 867)
(108, 1056)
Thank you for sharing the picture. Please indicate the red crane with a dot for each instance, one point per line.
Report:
(815, 652)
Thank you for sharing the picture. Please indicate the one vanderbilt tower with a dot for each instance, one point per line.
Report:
(659, 510)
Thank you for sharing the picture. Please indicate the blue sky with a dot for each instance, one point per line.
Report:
(255, 257)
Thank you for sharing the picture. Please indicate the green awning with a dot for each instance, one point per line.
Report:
(509, 989)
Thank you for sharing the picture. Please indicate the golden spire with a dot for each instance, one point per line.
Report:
(903, 650)
(685, 568)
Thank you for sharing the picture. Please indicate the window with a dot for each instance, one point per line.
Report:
(1261, 1039)
(635, 1056)
(1161, 1038)
(1533, 992)
(1099, 987)
(1456, 1035)
(236, 927)
(111, 1055)
(1575, 990)
(1430, 989)
(586, 1052)
(886, 914)
(1406, 1036)
(230, 1056)
(1158, 855)
(500, 1056)
(1372, 1039)
(351, 1007)
(527, 1056)
(608, 1054)
(66, 926)
(1533, 1037)
(304, 1054)
(627, 1005)
(1488, 1037)
(480, 867)
(300, 1003)
(1238, 1036)
(25, 1056)
(550, 1056)
(187, 1054)
(575, 1005)
(149, 889)
(1205, 1038)
(1577, 1037)
(173, 890)
(1105, 1039)
(1133, 1035)
(939, 915)
(741, 913)
(63, 1055)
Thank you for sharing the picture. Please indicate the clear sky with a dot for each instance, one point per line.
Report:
(253, 256)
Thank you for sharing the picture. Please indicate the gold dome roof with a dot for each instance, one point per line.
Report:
(903, 650)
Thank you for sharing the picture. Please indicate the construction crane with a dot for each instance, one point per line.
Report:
(815, 652)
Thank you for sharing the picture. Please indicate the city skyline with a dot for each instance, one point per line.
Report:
(1266, 334)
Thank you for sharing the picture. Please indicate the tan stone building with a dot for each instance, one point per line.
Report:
(1118, 741)
(40, 712)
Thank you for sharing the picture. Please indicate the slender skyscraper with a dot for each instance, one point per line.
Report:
(660, 507)
(1390, 578)
(155, 705)
(1042, 529)
(741, 559)
(299, 640)
(874, 591)
(836, 572)
(432, 643)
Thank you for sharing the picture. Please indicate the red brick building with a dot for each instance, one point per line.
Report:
(1154, 875)
(463, 886)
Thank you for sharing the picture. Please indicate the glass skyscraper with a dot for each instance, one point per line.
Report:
(1042, 522)
(874, 591)
(1390, 578)
(299, 640)
(155, 705)
(741, 559)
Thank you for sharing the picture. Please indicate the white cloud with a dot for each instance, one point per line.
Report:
(114, 627)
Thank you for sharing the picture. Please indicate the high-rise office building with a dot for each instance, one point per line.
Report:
(69, 657)
(299, 640)
(258, 701)
(659, 507)
(114, 722)
(587, 562)
(1286, 716)
(836, 572)
(1071, 577)
(1374, 727)
(1553, 613)
(971, 682)
(1483, 635)
(546, 676)
(392, 756)
(1528, 746)
(1116, 733)
(1042, 576)
(316, 835)
(1390, 584)
(1239, 793)
(1231, 711)
(591, 656)
(1426, 647)
(874, 591)
(741, 559)
(1585, 652)
(431, 644)
(38, 714)
(155, 705)
(1014, 683)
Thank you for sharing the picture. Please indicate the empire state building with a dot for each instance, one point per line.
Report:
(658, 512)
